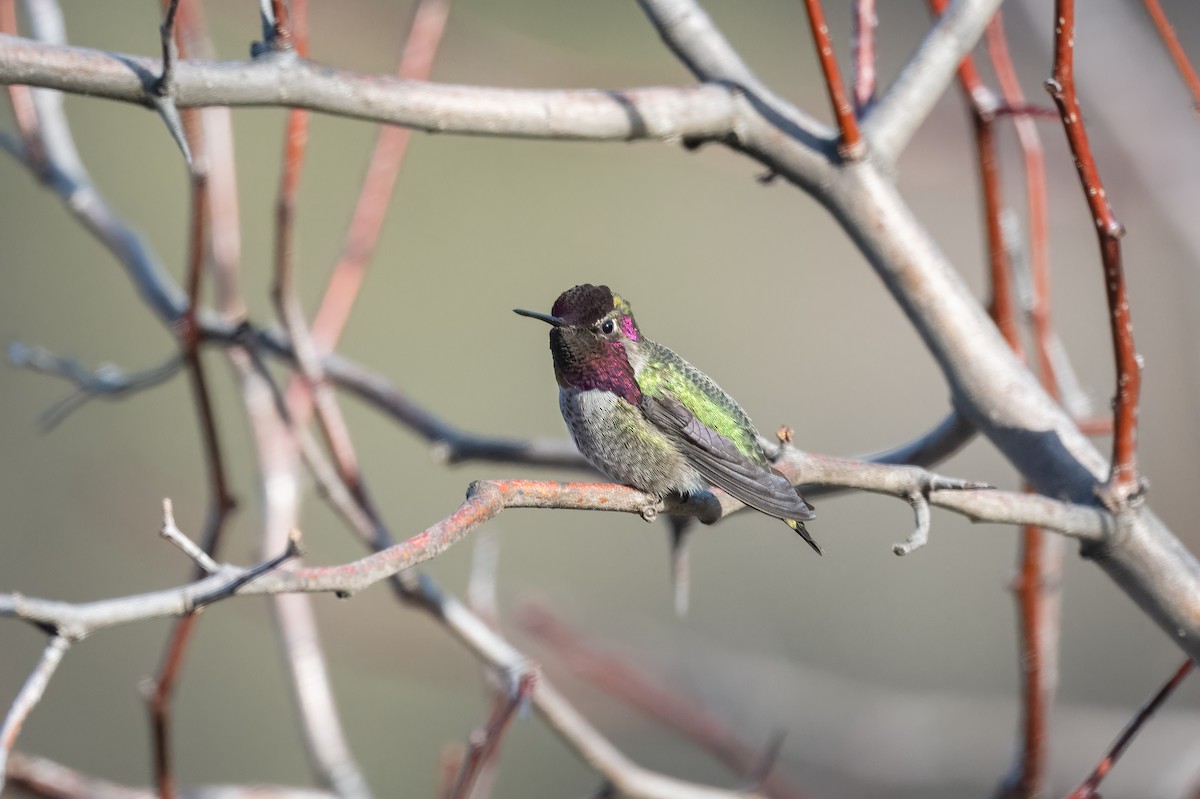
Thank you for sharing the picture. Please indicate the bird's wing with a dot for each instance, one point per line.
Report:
(722, 464)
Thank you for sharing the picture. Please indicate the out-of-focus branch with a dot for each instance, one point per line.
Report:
(1175, 49)
(39, 776)
(416, 63)
(1037, 586)
(864, 21)
(485, 742)
(621, 679)
(108, 381)
(671, 114)
(1087, 790)
(28, 697)
(893, 120)
(21, 98)
(1124, 481)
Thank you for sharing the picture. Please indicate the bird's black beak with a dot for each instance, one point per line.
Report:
(545, 317)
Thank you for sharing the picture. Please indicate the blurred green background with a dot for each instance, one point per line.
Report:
(891, 677)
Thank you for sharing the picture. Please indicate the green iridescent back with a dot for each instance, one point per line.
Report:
(664, 371)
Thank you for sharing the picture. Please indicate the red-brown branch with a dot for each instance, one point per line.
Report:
(485, 742)
(1124, 480)
(189, 37)
(864, 21)
(1087, 789)
(416, 63)
(1175, 49)
(850, 142)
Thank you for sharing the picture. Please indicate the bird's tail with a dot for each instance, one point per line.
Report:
(799, 528)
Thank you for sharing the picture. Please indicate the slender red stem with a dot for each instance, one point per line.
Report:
(189, 34)
(1124, 480)
(21, 98)
(485, 742)
(1171, 42)
(864, 20)
(850, 143)
(1087, 789)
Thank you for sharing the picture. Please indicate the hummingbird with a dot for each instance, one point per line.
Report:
(647, 418)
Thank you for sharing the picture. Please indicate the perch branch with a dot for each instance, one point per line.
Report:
(486, 499)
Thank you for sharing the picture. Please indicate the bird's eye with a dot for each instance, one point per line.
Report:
(607, 327)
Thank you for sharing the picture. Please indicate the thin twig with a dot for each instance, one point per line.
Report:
(29, 696)
(850, 143)
(485, 742)
(108, 381)
(1087, 789)
(1124, 482)
(1178, 55)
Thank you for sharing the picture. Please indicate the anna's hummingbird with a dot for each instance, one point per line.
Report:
(647, 418)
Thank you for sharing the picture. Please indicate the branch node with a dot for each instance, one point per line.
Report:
(172, 533)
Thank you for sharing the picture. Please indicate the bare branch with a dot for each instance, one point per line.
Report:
(893, 120)
(669, 114)
(107, 381)
(40, 776)
(172, 533)
(28, 697)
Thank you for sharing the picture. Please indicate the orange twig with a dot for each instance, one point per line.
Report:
(429, 22)
(1171, 42)
(850, 143)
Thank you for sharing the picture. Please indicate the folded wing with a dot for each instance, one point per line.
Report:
(722, 464)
